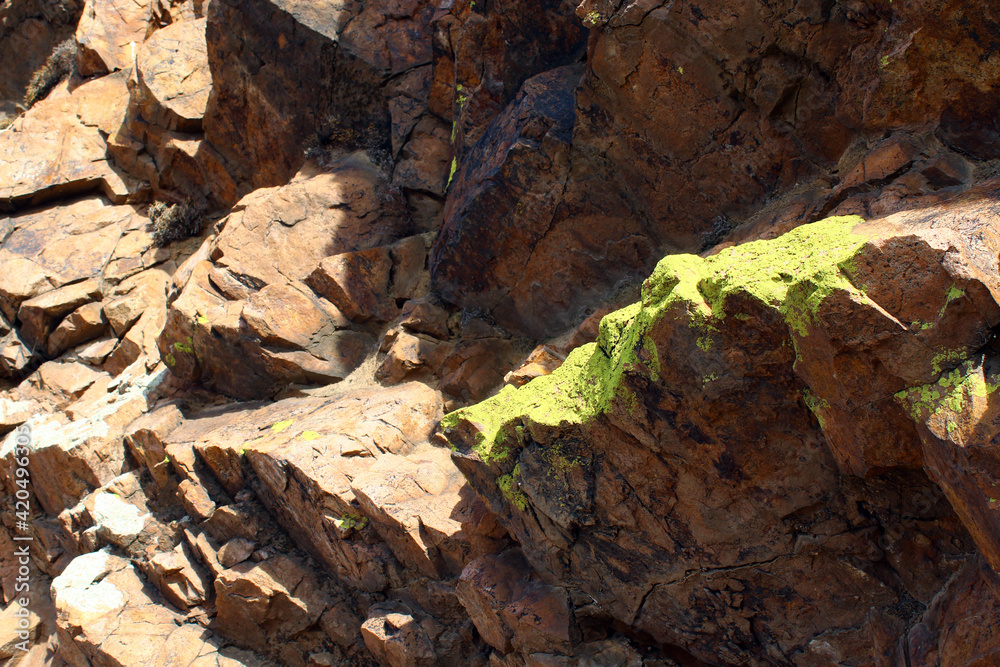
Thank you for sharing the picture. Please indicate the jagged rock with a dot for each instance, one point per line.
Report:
(542, 361)
(287, 600)
(510, 194)
(58, 246)
(959, 627)
(49, 153)
(281, 441)
(234, 552)
(67, 379)
(173, 77)
(298, 73)
(640, 447)
(196, 501)
(69, 460)
(415, 504)
(484, 53)
(145, 439)
(511, 611)
(410, 354)
(396, 638)
(38, 314)
(253, 283)
(178, 578)
(83, 324)
(104, 606)
(109, 34)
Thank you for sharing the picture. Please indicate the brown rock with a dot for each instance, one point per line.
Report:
(422, 316)
(49, 153)
(196, 501)
(414, 503)
(409, 355)
(145, 438)
(636, 472)
(38, 314)
(396, 638)
(235, 551)
(180, 580)
(69, 379)
(513, 612)
(287, 600)
(103, 605)
(109, 34)
(83, 324)
(288, 84)
(253, 283)
(357, 283)
(173, 77)
(542, 361)
(58, 246)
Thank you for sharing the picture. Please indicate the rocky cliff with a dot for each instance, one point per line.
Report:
(384, 332)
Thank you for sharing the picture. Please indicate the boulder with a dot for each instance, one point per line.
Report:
(109, 34)
(50, 153)
(245, 323)
(636, 472)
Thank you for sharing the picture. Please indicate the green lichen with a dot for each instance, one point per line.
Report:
(704, 344)
(310, 435)
(793, 275)
(170, 360)
(278, 427)
(952, 392)
(187, 347)
(510, 487)
(946, 358)
(351, 522)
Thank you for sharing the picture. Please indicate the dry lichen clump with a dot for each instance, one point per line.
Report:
(60, 64)
(174, 222)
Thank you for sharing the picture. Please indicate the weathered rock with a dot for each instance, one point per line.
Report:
(542, 361)
(67, 380)
(299, 73)
(195, 499)
(173, 77)
(83, 324)
(234, 552)
(59, 246)
(357, 283)
(510, 202)
(635, 472)
(282, 442)
(49, 153)
(395, 638)
(287, 600)
(109, 33)
(69, 460)
(38, 314)
(959, 627)
(511, 611)
(145, 438)
(182, 582)
(104, 606)
(409, 355)
(252, 285)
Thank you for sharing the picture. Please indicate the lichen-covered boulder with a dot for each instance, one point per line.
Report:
(734, 467)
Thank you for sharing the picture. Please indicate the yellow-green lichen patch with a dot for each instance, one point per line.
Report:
(792, 274)
(947, 358)
(170, 360)
(187, 347)
(351, 522)
(952, 393)
(278, 427)
(511, 489)
(310, 435)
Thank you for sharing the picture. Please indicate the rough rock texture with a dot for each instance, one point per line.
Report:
(259, 261)
(636, 473)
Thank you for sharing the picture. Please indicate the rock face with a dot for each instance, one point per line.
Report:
(634, 473)
(323, 339)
